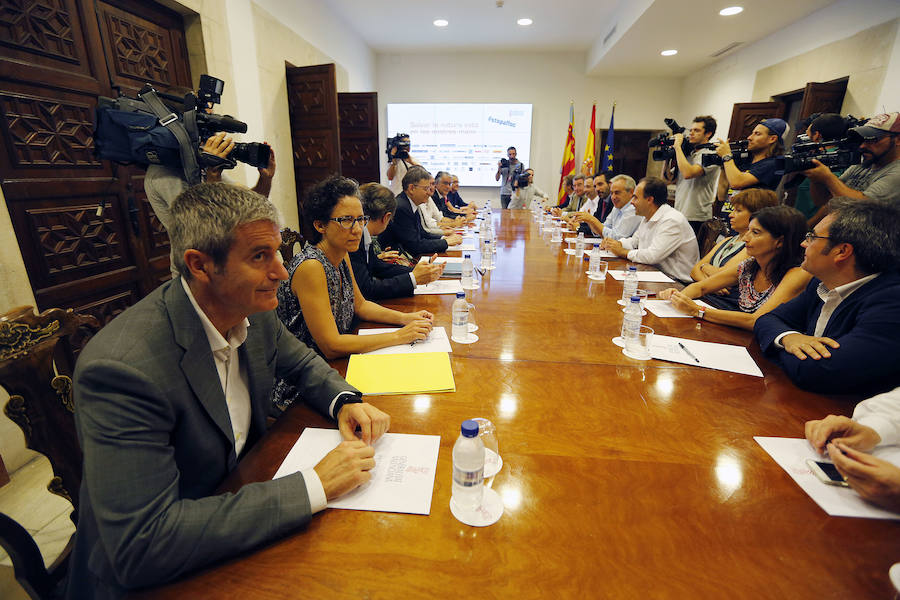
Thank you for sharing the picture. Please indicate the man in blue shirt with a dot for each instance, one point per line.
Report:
(765, 142)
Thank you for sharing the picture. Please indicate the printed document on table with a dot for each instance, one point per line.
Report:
(587, 240)
(722, 357)
(402, 480)
(450, 260)
(468, 243)
(441, 286)
(791, 455)
(664, 308)
(587, 252)
(436, 341)
(651, 276)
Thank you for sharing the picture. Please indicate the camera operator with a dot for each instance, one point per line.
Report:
(509, 168)
(764, 143)
(820, 127)
(399, 161)
(525, 194)
(695, 185)
(878, 177)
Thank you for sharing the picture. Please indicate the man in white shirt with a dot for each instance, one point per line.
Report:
(588, 203)
(622, 221)
(875, 422)
(664, 238)
(170, 393)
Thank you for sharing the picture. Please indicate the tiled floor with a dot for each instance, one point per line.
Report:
(46, 517)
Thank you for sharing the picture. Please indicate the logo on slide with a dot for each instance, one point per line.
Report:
(501, 122)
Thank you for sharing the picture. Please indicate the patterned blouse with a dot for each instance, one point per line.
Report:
(749, 299)
(340, 295)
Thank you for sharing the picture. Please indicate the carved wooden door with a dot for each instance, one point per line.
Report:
(315, 133)
(358, 118)
(823, 97)
(747, 115)
(56, 58)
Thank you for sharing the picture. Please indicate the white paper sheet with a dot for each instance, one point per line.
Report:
(664, 308)
(435, 342)
(402, 480)
(588, 241)
(441, 286)
(651, 276)
(468, 243)
(722, 357)
(587, 252)
(791, 455)
(443, 259)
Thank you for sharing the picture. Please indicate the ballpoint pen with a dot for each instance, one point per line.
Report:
(689, 353)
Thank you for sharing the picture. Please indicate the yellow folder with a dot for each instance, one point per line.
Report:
(401, 373)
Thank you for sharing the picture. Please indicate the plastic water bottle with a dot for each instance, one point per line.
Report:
(468, 276)
(487, 255)
(579, 245)
(468, 468)
(631, 322)
(557, 234)
(630, 284)
(594, 265)
(460, 318)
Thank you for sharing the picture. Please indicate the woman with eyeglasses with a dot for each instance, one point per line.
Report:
(770, 276)
(320, 300)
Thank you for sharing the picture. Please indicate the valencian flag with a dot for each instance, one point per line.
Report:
(568, 161)
(587, 165)
(608, 147)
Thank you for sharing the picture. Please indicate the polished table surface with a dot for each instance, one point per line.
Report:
(621, 478)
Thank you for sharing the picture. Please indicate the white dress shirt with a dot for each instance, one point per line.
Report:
(666, 240)
(590, 205)
(621, 222)
(881, 413)
(431, 216)
(232, 373)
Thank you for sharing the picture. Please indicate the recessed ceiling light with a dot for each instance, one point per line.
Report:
(441, 22)
(669, 52)
(731, 10)
(524, 22)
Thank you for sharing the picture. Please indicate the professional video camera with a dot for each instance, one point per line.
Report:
(159, 128)
(522, 180)
(663, 146)
(401, 143)
(742, 157)
(837, 155)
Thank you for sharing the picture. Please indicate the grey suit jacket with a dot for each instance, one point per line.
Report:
(157, 440)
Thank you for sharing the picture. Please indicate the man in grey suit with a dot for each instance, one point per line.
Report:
(171, 392)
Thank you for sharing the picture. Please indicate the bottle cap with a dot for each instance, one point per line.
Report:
(596, 245)
(469, 428)
(467, 255)
(460, 294)
(635, 298)
(632, 268)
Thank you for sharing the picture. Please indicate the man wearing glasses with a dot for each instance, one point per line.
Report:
(878, 177)
(842, 334)
(405, 230)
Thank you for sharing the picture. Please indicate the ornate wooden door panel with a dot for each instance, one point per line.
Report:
(315, 137)
(823, 98)
(358, 118)
(53, 65)
(746, 115)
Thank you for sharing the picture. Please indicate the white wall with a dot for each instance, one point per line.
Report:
(714, 89)
(548, 80)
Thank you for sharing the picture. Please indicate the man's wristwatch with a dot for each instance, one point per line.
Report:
(701, 312)
(727, 157)
(345, 398)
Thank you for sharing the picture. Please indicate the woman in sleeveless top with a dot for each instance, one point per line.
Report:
(320, 300)
(730, 251)
(769, 277)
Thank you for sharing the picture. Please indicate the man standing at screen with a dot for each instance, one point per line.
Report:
(509, 168)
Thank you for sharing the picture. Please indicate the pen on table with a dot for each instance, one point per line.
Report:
(689, 353)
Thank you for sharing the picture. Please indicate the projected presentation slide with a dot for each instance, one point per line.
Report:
(465, 139)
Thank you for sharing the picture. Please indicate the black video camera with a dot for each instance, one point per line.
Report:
(742, 157)
(401, 143)
(522, 180)
(837, 155)
(164, 129)
(663, 146)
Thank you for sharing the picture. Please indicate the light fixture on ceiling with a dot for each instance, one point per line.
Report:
(524, 22)
(441, 22)
(731, 10)
(669, 52)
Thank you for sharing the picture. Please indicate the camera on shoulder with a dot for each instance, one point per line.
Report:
(400, 142)
(836, 154)
(663, 145)
(522, 180)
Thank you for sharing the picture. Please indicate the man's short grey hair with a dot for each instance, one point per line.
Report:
(441, 174)
(627, 181)
(872, 227)
(414, 175)
(205, 217)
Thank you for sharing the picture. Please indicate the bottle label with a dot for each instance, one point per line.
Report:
(468, 478)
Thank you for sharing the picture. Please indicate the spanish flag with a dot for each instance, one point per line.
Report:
(568, 161)
(587, 165)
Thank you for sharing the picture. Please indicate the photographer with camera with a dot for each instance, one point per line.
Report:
(878, 177)
(509, 168)
(399, 161)
(764, 143)
(821, 129)
(695, 185)
(526, 192)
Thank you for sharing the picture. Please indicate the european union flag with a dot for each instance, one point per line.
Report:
(607, 166)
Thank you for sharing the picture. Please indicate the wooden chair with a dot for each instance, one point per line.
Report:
(709, 232)
(41, 404)
(289, 237)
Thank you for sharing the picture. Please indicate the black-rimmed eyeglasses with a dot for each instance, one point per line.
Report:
(348, 221)
(812, 236)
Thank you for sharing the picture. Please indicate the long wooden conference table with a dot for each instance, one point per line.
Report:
(621, 478)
